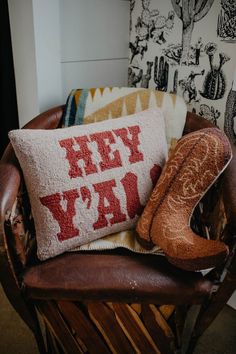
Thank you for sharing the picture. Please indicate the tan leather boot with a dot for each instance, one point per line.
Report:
(198, 159)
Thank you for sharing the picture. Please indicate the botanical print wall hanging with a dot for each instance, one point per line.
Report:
(185, 47)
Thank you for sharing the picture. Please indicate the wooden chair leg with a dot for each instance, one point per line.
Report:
(40, 342)
(180, 318)
(53, 347)
(158, 328)
(189, 325)
(55, 322)
(37, 331)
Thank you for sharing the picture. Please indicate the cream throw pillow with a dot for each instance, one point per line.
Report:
(85, 182)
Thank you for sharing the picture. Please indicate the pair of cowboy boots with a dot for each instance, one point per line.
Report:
(195, 164)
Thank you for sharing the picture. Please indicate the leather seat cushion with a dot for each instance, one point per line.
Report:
(114, 276)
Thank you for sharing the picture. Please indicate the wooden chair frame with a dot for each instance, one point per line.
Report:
(108, 318)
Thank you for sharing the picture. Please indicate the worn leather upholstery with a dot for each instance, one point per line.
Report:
(114, 276)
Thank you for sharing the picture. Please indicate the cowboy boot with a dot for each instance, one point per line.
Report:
(197, 161)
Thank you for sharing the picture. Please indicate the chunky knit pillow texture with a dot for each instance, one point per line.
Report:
(195, 164)
(85, 106)
(85, 182)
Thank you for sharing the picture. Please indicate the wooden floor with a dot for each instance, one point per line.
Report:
(15, 338)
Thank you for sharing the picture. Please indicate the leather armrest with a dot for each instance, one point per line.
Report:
(46, 120)
(10, 172)
(10, 177)
(195, 122)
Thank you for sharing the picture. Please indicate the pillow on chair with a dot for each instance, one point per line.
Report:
(85, 106)
(85, 182)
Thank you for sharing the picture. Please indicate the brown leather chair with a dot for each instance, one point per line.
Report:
(83, 312)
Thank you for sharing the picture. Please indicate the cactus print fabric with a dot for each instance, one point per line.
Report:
(187, 51)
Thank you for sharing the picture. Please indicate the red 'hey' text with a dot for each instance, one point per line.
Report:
(78, 149)
(103, 196)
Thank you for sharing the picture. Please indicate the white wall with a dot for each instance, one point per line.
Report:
(23, 45)
(234, 83)
(48, 52)
(63, 44)
(94, 43)
(35, 32)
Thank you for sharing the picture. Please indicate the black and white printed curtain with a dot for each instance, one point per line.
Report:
(187, 47)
